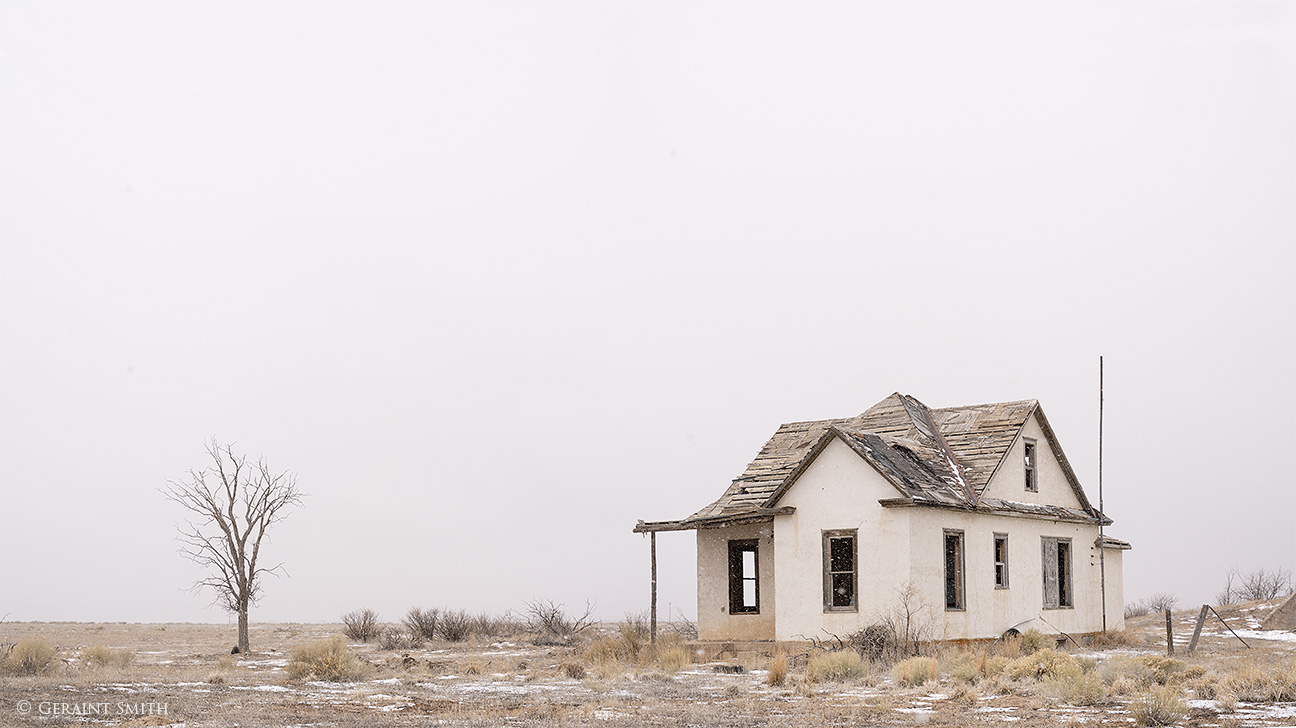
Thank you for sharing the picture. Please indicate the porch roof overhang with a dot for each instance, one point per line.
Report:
(749, 515)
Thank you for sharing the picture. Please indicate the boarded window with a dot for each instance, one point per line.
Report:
(1057, 573)
(841, 571)
(744, 580)
(954, 570)
(1031, 484)
(1001, 560)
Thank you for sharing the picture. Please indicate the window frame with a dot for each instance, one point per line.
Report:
(1001, 565)
(828, 573)
(1030, 460)
(1062, 562)
(737, 547)
(960, 569)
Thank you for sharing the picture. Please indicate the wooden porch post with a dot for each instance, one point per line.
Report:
(652, 537)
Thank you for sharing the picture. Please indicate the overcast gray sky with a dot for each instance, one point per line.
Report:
(498, 279)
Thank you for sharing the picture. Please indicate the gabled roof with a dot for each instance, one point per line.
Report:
(935, 457)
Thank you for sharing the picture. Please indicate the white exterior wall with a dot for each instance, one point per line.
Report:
(839, 491)
(1115, 589)
(1009, 482)
(714, 620)
(989, 611)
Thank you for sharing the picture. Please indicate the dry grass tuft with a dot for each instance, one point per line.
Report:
(1113, 638)
(778, 671)
(572, 670)
(1043, 664)
(671, 658)
(1032, 641)
(1158, 706)
(28, 657)
(328, 660)
(1261, 681)
(835, 666)
(1084, 688)
(99, 657)
(1163, 668)
(914, 671)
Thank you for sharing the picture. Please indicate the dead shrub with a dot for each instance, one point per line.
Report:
(399, 640)
(28, 657)
(573, 670)
(1158, 706)
(1257, 585)
(554, 625)
(1136, 609)
(777, 670)
(1161, 602)
(99, 658)
(327, 660)
(490, 627)
(682, 626)
(454, 625)
(915, 671)
(422, 622)
(902, 632)
(361, 625)
(835, 666)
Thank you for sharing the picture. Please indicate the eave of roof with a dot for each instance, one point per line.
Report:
(754, 515)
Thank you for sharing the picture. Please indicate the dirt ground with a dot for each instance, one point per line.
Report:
(183, 675)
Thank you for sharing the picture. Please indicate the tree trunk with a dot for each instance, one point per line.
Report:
(243, 645)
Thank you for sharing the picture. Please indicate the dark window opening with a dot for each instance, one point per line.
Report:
(744, 579)
(954, 570)
(1057, 573)
(1031, 485)
(840, 571)
(1001, 560)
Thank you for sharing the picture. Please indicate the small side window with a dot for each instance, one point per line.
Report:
(1031, 484)
(954, 570)
(1001, 560)
(744, 577)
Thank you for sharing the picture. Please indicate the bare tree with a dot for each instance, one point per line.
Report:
(233, 506)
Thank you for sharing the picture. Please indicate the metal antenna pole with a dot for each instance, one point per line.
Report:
(1102, 545)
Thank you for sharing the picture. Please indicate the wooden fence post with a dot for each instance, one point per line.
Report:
(1201, 619)
(653, 629)
(1169, 636)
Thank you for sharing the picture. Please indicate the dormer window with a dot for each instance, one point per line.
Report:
(1031, 484)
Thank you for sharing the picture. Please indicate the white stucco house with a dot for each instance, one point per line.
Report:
(974, 507)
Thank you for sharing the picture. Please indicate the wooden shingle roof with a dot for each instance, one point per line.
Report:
(937, 457)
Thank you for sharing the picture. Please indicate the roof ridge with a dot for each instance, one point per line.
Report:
(1029, 400)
